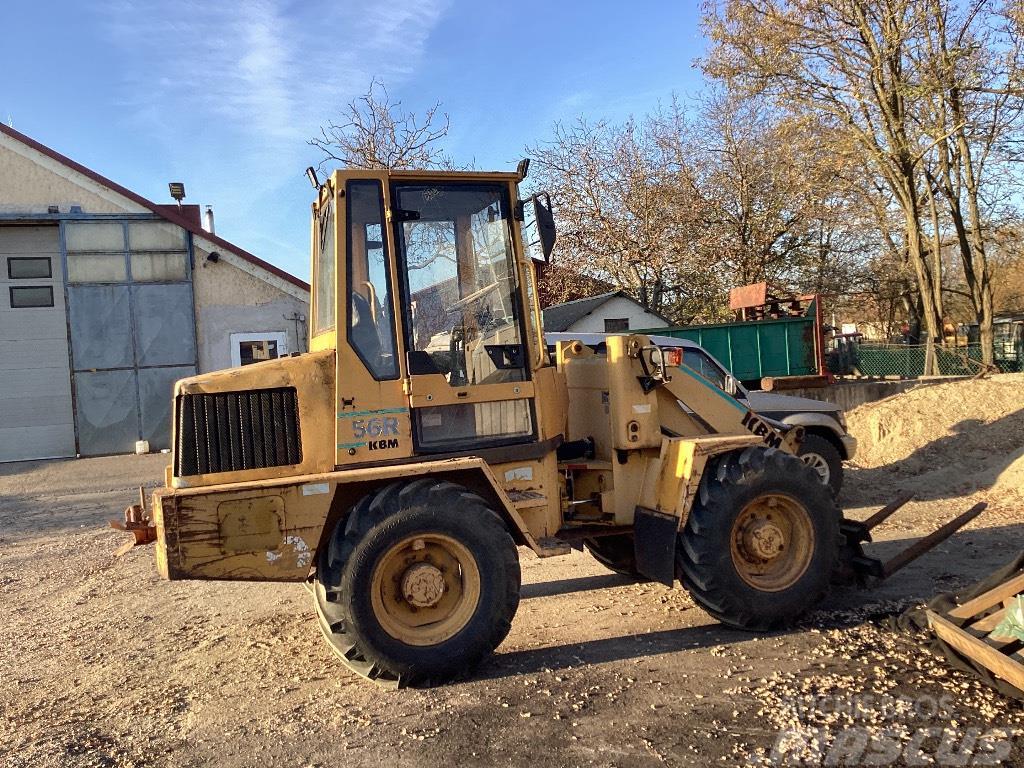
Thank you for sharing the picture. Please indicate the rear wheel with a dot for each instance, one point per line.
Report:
(419, 584)
(762, 540)
(615, 553)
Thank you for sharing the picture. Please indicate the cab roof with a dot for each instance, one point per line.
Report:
(433, 174)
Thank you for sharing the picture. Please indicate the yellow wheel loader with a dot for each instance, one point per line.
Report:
(429, 432)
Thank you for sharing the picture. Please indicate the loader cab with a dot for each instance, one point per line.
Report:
(422, 286)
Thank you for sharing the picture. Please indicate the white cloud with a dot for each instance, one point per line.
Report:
(231, 91)
(271, 68)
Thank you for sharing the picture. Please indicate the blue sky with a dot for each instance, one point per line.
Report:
(224, 95)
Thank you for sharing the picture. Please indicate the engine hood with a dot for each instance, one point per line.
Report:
(770, 403)
(312, 368)
(226, 431)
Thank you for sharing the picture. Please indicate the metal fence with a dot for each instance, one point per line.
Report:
(907, 361)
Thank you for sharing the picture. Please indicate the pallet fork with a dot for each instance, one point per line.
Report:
(858, 567)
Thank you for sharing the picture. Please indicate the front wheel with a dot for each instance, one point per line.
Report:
(420, 584)
(762, 541)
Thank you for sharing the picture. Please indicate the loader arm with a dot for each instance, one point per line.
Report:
(691, 406)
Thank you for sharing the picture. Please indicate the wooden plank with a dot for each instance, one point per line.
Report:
(988, 623)
(999, 664)
(985, 601)
(776, 383)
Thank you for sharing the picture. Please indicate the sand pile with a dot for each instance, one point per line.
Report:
(969, 430)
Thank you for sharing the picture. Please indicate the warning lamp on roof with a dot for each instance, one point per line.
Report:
(177, 189)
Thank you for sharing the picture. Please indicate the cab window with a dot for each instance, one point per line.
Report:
(370, 319)
(464, 317)
(324, 245)
(702, 364)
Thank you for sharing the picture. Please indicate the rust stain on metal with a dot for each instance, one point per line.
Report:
(138, 522)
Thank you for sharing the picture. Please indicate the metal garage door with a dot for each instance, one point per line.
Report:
(130, 310)
(36, 419)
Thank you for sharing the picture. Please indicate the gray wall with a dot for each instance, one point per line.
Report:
(849, 394)
(220, 321)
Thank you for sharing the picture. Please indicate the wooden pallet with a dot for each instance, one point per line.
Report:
(969, 629)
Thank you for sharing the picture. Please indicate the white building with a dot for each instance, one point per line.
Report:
(607, 313)
(107, 298)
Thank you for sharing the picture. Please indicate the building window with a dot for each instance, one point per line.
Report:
(94, 236)
(96, 268)
(98, 253)
(28, 268)
(248, 348)
(148, 267)
(616, 324)
(23, 297)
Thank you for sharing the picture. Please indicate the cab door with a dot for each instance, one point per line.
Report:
(468, 363)
(373, 422)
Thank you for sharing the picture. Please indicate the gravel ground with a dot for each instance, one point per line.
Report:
(103, 664)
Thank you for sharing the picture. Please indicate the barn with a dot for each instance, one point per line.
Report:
(107, 298)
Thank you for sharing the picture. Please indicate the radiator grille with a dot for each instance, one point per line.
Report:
(231, 431)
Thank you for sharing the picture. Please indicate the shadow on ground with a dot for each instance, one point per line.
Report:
(580, 584)
(622, 648)
(961, 560)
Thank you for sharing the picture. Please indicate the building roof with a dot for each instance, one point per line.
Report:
(557, 284)
(561, 317)
(182, 219)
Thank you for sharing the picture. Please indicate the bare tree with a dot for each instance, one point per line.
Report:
(1006, 257)
(849, 60)
(677, 211)
(970, 61)
(377, 133)
(775, 206)
(616, 195)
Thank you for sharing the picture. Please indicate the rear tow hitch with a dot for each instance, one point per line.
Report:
(858, 568)
(137, 522)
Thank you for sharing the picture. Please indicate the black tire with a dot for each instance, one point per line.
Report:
(823, 457)
(706, 559)
(615, 553)
(377, 524)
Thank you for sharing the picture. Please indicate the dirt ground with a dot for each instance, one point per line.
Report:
(104, 664)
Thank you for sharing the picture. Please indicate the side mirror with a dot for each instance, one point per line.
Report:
(731, 386)
(545, 223)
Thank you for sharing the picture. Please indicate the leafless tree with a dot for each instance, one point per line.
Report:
(616, 194)
(775, 206)
(850, 61)
(377, 133)
(677, 211)
(970, 60)
(928, 94)
(1006, 259)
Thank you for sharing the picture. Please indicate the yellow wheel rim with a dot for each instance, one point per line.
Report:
(425, 589)
(772, 542)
